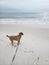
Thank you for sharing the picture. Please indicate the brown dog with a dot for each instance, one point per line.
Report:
(16, 38)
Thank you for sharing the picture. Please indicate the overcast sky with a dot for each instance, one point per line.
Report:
(25, 4)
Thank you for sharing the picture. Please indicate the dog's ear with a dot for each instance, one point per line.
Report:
(7, 36)
(21, 33)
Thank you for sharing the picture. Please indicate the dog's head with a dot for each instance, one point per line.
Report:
(21, 33)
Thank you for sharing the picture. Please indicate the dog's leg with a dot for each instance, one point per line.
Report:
(19, 42)
(12, 42)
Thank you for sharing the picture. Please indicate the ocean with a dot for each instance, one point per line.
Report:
(24, 17)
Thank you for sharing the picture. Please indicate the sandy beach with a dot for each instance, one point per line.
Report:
(32, 18)
(34, 44)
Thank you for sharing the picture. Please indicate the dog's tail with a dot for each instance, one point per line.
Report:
(7, 36)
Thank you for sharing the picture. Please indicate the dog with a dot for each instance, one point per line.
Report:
(16, 38)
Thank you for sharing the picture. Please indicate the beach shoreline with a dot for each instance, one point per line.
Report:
(35, 23)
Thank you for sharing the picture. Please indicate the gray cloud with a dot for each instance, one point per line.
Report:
(26, 4)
